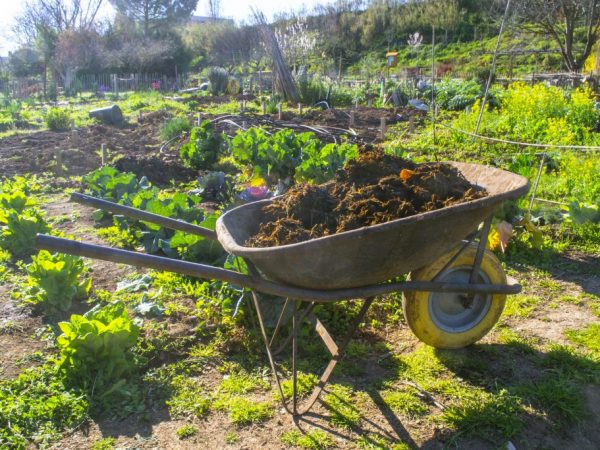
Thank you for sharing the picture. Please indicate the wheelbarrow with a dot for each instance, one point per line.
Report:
(453, 295)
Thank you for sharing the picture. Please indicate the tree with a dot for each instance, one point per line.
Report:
(25, 62)
(296, 41)
(57, 15)
(152, 14)
(214, 8)
(572, 24)
(43, 21)
(77, 50)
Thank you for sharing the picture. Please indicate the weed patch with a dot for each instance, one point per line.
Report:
(405, 401)
(588, 337)
(313, 440)
(343, 404)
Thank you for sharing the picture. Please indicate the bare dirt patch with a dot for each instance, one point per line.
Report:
(80, 151)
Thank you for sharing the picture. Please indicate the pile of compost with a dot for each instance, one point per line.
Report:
(372, 189)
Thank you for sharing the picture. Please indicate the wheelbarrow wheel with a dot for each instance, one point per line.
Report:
(450, 320)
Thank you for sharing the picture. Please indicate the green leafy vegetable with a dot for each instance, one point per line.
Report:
(54, 281)
(204, 148)
(95, 349)
(20, 230)
(110, 184)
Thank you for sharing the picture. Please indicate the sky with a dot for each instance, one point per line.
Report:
(239, 10)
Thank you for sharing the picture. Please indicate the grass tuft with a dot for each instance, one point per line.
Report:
(186, 431)
(341, 401)
(107, 443)
(520, 305)
(558, 398)
(479, 413)
(588, 337)
(405, 402)
(305, 384)
(313, 440)
(189, 398)
(243, 411)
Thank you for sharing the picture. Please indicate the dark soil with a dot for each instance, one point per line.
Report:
(373, 189)
(159, 170)
(80, 151)
(363, 116)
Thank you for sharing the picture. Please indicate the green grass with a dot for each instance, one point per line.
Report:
(313, 440)
(304, 385)
(186, 431)
(558, 397)
(175, 127)
(475, 412)
(588, 337)
(404, 401)
(36, 408)
(567, 362)
(516, 340)
(107, 443)
(343, 403)
(375, 442)
(571, 299)
(243, 411)
(242, 383)
(493, 404)
(231, 437)
(520, 305)
(189, 398)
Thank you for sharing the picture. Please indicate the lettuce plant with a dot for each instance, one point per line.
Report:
(55, 280)
(95, 349)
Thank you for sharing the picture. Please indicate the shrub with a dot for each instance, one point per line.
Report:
(175, 127)
(219, 80)
(54, 281)
(58, 119)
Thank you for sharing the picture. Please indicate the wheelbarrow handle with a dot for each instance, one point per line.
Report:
(257, 283)
(56, 244)
(134, 213)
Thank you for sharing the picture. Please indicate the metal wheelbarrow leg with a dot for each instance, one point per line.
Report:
(336, 350)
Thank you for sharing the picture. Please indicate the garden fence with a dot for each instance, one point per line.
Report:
(97, 83)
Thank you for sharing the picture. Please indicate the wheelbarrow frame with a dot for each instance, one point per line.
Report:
(304, 300)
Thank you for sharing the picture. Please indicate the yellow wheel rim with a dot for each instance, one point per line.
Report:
(450, 320)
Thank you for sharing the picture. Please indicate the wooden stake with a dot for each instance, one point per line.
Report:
(411, 124)
(59, 161)
(279, 116)
(199, 120)
(300, 108)
(73, 133)
(104, 154)
(383, 128)
(244, 124)
(264, 107)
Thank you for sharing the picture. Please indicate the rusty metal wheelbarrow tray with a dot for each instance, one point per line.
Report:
(370, 255)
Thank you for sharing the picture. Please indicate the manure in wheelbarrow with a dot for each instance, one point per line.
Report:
(372, 189)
